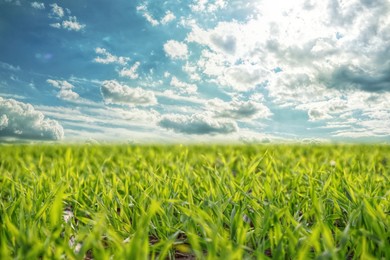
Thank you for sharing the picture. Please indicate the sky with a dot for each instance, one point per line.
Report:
(247, 71)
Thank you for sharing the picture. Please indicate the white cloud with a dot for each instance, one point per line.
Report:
(8, 66)
(317, 114)
(56, 11)
(198, 124)
(65, 92)
(131, 72)
(144, 10)
(21, 120)
(207, 5)
(192, 71)
(114, 92)
(55, 25)
(183, 87)
(107, 58)
(169, 17)
(175, 49)
(239, 110)
(38, 5)
(3, 122)
(61, 84)
(68, 94)
(72, 24)
(319, 57)
(150, 19)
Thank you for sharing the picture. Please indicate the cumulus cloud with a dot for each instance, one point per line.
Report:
(65, 89)
(207, 5)
(68, 94)
(198, 124)
(169, 17)
(114, 92)
(130, 72)
(61, 84)
(145, 13)
(319, 57)
(55, 25)
(21, 120)
(107, 58)
(175, 49)
(239, 110)
(38, 5)
(72, 24)
(183, 87)
(56, 11)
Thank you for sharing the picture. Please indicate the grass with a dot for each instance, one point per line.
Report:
(186, 202)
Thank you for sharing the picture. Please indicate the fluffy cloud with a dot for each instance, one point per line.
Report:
(183, 87)
(169, 17)
(107, 58)
(72, 24)
(239, 110)
(207, 5)
(114, 92)
(327, 58)
(68, 94)
(175, 49)
(61, 84)
(56, 11)
(144, 10)
(38, 5)
(130, 72)
(65, 91)
(21, 120)
(198, 124)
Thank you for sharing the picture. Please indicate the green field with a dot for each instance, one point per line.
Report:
(186, 202)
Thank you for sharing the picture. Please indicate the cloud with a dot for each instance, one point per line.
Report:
(144, 10)
(10, 67)
(72, 24)
(318, 114)
(56, 11)
(175, 49)
(68, 94)
(55, 25)
(183, 87)
(239, 110)
(21, 120)
(329, 59)
(207, 5)
(108, 58)
(61, 84)
(38, 5)
(198, 124)
(131, 72)
(114, 92)
(65, 92)
(169, 17)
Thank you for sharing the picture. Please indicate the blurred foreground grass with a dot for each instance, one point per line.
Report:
(213, 202)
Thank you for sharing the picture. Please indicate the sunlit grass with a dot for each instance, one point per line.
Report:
(226, 202)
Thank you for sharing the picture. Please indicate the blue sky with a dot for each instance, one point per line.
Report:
(195, 71)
